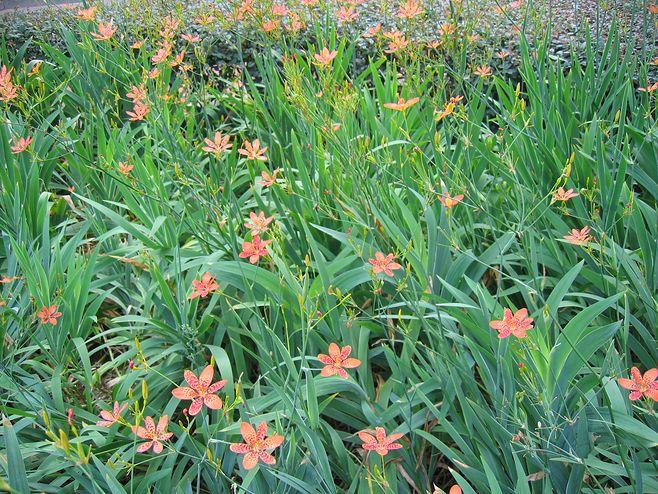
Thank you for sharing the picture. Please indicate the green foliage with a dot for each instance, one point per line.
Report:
(117, 250)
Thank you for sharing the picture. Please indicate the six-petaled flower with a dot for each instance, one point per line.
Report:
(402, 104)
(110, 418)
(384, 264)
(256, 445)
(201, 390)
(258, 223)
(105, 31)
(641, 385)
(450, 201)
(219, 144)
(267, 179)
(513, 324)
(378, 441)
(154, 435)
(203, 287)
(578, 237)
(21, 144)
(325, 56)
(254, 249)
(337, 361)
(253, 151)
(49, 315)
(564, 195)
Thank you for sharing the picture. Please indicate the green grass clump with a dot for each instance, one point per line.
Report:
(407, 209)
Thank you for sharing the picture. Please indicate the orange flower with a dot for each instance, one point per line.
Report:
(8, 279)
(649, 89)
(447, 29)
(325, 56)
(267, 179)
(455, 489)
(448, 201)
(653, 8)
(410, 9)
(295, 24)
(169, 27)
(191, 38)
(483, 71)
(279, 10)
(402, 104)
(139, 112)
(503, 54)
(21, 145)
(125, 168)
(258, 223)
(110, 418)
(578, 237)
(203, 287)
(397, 42)
(256, 445)
(254, 249)
(49, 315)
(378, 441)
(200, 391)
(640, 384)
(154, 435)
(347, 14)
(219, 144)
(513, 324)
(271, 25)
(337, 361)
(253, 151)
(137, 93)
(448, 108)
(384, 264)
(178, 60)
(564, 195)
(373, 31)
(105, 31)
(8, 90)
(88, 14)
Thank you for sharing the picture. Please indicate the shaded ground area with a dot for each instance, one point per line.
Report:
(31, 4)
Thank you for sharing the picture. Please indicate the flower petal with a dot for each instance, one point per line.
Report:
(248, 433)
(261, 432)
(250, 460)
(328, 371)
(351, 363)
(206, 376)
(240, 448)
(274, 441)
(162, 423)
(191, 378)
(345, 352)
(650, 375)
(184, 393)
(627, 383)
(217, 386)
(367, 438)
(267, 458)
(334, 351)
(213, 401)
(144, 446)
(157, 447)
(195, 407)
